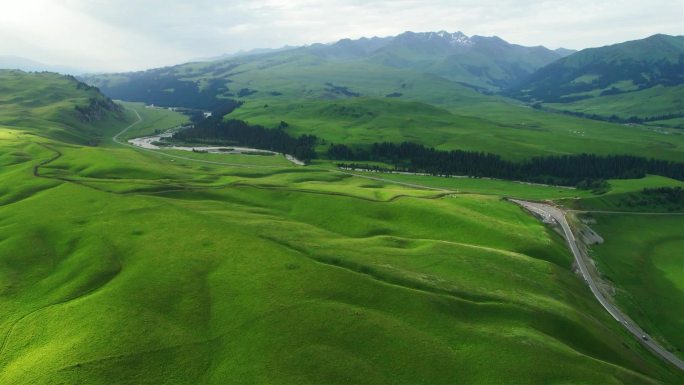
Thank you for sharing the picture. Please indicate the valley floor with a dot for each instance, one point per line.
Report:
(126, 266)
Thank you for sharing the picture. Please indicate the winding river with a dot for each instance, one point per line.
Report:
(150, 143)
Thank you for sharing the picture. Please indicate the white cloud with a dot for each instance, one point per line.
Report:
(132, 34)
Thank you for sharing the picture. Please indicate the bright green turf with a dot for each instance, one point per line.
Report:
(239, 284)
(44, 103)
(485, 186)
(644, 257)
(129, 267)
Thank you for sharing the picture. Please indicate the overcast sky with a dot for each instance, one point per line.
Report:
(117, 35)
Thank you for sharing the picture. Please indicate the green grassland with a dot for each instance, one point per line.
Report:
(126, 266)
(620, 190)
(669, 123)
(431, 110)
(640, 64)
(45, 104)
(648, 103)
(643, 257)
(512, 131)
(484, 186)
(152, 119)
(427, 108)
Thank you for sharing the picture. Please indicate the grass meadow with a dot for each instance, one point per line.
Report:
(642, 256)
(126, 266)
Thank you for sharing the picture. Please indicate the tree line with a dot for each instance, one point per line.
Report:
(237, 132)
(568, 170)
(610, 118)
(582, 170)
(670, 198)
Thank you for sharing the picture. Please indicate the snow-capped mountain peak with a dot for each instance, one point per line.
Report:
(456, 38)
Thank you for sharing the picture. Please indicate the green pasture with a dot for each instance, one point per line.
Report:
(643, 257)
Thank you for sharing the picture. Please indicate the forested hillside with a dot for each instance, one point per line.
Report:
(634, 81)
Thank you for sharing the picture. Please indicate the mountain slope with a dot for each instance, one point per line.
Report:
(564, 51)
(55, 106)
(620, 68)
(652, 105)
(294, 85)
(486, 63)
(131, 267)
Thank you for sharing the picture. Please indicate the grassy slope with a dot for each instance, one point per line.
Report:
(447, 114)
(157, 270)
(643, 257)
(613, 200)
(45, 104)
(153, 119)
(651, 102)
(669, 123)
(513, 131)
(621, 67)
(646, 62)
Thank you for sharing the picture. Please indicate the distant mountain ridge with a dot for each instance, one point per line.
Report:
(487, 62)
(608, 83)
(29, 65)
(255, 51)
(565, 51)
(614, 69)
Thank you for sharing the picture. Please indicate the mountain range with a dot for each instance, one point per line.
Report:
(488, 62)
(625, 67)
(439, 68)
(29, 65)
(636, 81)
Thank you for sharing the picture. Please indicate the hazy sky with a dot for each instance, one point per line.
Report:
(111, 35)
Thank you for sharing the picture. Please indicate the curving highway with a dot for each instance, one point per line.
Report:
(552, 214)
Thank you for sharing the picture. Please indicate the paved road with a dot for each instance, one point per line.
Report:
(550, 213)
(621, 212)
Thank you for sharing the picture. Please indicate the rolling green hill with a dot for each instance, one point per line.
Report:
(643, 259)
(352, 101)
(638, 79)
(127, 266)
(654, 104)
(514, 132)
(55, 106)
